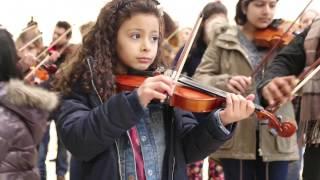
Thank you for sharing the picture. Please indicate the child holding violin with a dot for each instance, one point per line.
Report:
(281, 79)
(254, 152)
(129, 134)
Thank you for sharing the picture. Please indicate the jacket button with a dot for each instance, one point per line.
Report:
(143, 138)
(150, 172)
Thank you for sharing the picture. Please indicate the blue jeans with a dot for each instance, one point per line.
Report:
(61, 161)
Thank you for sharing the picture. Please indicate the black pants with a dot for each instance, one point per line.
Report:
(311, 167)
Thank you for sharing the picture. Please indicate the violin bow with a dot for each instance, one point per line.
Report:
(266, 58)
(307, 75)
(303, 78)
(32, 72)
(54, 43)
(183, 57)
(30, 42)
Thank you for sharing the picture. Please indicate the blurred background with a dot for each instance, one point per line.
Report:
(15, 14)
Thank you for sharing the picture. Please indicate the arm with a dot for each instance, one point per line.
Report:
(200, 139)
(86, 132)
(279, 79)
(289, 61)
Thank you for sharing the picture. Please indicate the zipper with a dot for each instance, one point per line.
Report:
(134, 157)
(119, 163)
(174, 163)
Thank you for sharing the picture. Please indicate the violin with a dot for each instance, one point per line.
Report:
(279, 30)
(194, 97)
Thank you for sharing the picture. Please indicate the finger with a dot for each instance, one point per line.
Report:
(242, 102)
(160, 87)
(250, 97)
(275, 91)
(232, 89)
(243, 82)
(267, 96)
(163, 78)
(250, 107)
(235, 102)
(153, 94)
(248, 80)
(286, 89)
(236, 85)
(228, 102)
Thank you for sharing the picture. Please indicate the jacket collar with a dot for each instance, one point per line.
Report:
(17, 93)
(32, 104)
(229, 40)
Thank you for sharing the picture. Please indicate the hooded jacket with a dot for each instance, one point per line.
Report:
(23, 115)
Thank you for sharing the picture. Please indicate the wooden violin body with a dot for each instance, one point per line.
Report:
(184, 97)
(277, 31)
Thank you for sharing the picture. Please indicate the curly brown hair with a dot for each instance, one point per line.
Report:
(99, 45)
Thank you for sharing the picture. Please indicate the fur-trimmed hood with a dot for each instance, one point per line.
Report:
(19, 94)
(31, 104)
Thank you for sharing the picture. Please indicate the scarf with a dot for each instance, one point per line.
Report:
(310, 99)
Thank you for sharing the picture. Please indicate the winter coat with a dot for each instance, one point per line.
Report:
(93, 131)
(224, 58)
(23, 117)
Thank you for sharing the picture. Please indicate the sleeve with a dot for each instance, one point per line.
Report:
(87, 132)
(208, 71)
(4, 146)
(291, 60)
(200, 139)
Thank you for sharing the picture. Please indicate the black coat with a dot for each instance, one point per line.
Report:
(89, 129)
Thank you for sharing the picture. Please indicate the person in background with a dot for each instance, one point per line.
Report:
(307, 18)
(170, 45)
(23, 115)
(85, 28)
(131, 134)
(58, 54)
(215, 16)
(28, 55)
(254, 152)
(281, 79)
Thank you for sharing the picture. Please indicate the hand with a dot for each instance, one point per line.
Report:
(28, 60)
(54, 56)
(239, 84)
(237, 108)
(157, 87)
(278, 90)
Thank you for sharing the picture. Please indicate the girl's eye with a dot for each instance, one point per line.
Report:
(135, 36)
(273, 5)
(155, 38)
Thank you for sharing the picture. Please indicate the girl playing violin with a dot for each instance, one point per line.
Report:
(127, 135)
(227, 64)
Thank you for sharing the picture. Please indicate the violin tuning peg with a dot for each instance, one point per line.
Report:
(273, 132)
(279, 117)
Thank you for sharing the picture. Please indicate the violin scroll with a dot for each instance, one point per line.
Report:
(283, 129)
